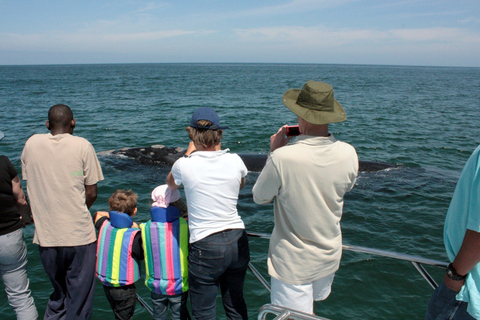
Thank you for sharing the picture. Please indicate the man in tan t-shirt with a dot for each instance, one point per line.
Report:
(62, 172)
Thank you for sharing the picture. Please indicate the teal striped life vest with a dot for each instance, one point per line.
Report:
(115, 265)
(165, 245)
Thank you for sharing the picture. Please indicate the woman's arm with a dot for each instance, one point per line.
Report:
(171, 182)
(242, 183)
(18, 193)
(21, 202)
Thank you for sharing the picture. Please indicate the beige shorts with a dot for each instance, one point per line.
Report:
(300, 297)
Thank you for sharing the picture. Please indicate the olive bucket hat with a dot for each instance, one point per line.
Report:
(315, 103)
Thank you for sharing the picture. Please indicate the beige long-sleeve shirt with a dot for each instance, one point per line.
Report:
(307, 181)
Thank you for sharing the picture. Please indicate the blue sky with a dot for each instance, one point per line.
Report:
(392, 32)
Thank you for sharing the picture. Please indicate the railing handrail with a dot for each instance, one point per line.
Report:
(378, 252)
(395, 255)
(284, 313)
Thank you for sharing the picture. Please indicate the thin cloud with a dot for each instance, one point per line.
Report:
(331, 37)
(282, 9)
(469, 20)
(151, 6)
(295, 6)
(84, 41)
(439, 35)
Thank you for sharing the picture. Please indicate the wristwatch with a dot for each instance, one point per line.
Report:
(452, 274)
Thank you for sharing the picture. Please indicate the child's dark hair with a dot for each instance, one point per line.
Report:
(123, 201)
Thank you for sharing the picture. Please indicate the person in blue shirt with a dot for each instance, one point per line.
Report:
(458, 296)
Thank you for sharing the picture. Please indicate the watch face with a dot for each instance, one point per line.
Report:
(452, 274)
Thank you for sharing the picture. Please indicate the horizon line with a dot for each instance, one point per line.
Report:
(233, 63)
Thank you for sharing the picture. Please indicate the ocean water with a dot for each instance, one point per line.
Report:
(424, 119)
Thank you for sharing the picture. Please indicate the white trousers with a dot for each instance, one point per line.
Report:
(300, 297)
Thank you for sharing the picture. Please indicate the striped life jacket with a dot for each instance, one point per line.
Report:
(165, 245)
(115, 265)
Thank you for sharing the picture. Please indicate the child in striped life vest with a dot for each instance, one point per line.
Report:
(119, 250)
(165, 245)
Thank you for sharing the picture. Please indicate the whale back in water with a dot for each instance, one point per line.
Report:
(162, 155)
(156, 154)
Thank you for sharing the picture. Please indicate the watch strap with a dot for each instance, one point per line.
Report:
(452, 273)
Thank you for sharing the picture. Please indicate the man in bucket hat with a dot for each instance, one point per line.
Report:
(307, 181)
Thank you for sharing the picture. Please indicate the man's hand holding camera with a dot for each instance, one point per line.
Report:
(279, 139)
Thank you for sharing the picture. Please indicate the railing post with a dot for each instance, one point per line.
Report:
(425, 275)
(259, 276)
(282, 316)
(145, 304)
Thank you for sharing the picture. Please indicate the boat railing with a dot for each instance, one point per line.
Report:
(417, 261)
(144, 304)
(285, 313)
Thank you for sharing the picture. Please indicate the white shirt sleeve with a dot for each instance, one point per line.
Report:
(176, 172)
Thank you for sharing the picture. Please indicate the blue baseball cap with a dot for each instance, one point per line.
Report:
(206, 113)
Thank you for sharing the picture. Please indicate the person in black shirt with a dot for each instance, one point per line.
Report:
(14, 215)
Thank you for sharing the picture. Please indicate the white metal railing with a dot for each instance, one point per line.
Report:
(417, 261)
(285, 313)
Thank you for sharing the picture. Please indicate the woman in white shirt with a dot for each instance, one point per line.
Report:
(219, 252)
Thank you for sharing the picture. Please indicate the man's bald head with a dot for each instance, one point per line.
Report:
(60, 119)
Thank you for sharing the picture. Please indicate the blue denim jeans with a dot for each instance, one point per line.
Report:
(443, 305)
(122, 300)
(177, 303)
(218, 261)
(13, 270)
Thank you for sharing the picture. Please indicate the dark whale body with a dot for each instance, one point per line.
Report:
(162, 155)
